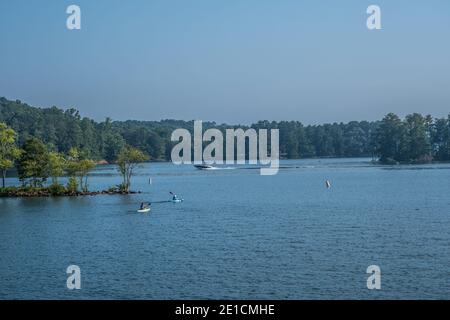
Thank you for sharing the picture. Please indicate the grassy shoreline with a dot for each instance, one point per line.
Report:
(28, 192)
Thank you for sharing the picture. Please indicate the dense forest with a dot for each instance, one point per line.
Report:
(416, 138)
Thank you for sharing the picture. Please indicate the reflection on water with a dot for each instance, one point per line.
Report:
(237, 234)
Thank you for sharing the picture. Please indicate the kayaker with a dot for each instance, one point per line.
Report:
(144, 205)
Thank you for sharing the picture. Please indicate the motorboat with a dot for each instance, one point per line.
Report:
(203, 166)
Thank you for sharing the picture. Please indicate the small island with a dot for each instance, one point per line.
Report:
(40, 168)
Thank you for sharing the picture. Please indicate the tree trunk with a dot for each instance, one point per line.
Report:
(124, 180)
(4, 178)
(81, 184)
(86, 184)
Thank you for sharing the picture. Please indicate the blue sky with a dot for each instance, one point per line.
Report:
(235, 61)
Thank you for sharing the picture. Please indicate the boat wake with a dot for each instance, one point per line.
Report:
(209, 167)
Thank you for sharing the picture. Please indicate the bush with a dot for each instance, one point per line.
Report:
(8, 190)
(113, 189)
(72, 184)
(56, 189)
(122, 188)
(29, 189)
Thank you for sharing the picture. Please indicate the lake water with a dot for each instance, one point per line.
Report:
(237, 235)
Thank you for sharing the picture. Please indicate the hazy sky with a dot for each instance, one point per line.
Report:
(235, 61)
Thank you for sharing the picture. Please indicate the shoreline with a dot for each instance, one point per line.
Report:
(44, 193)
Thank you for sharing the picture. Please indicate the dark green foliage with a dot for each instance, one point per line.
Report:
(56, 189)
(414, 139)
(128, 160)
(32, 165)
(72, 184)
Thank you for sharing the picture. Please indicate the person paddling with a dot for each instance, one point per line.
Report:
(144, 205)
(174, 196)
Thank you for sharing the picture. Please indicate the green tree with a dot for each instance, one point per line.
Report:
(56, 165)
(72, 184)
(84, 167)
(33, 162)
(78, 168)
(441, 139)
(355, 140)
(389, 138)
(112, 144)
(8, 150)
(417, 143)
(128, 160)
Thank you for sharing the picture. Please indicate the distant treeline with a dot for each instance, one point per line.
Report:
(416, 138)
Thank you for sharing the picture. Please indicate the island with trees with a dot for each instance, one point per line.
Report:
(40, 167)
(44, 144)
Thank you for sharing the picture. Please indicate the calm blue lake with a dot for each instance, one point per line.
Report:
(237, 235)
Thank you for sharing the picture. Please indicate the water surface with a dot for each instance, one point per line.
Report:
(237, 235)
